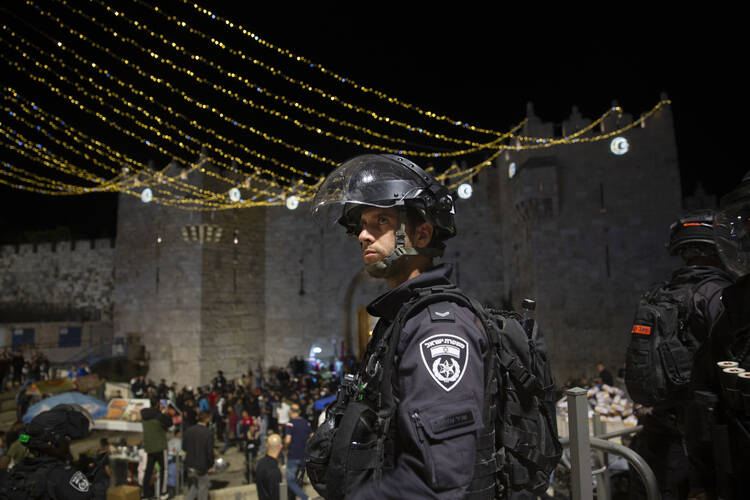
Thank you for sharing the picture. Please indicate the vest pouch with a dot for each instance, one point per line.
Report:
(356, 453)
(441, 430)
(318, 449)
(677, 362)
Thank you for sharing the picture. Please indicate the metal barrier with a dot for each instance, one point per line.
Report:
(580, 443)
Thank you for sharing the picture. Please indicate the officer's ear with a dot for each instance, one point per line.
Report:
(422, 235)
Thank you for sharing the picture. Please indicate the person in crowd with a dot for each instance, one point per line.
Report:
(17, 362)
(138, 387)
(101, 461)
(198, 444)
(282, 413)
(174, 444)
(244, 426)
(251, 449)
(220, 416)
(219, 383)
(155, 421)
(605, 376)
(296, 433)
(230, 432)
(83, 370)
(162, 391)
(268, 474)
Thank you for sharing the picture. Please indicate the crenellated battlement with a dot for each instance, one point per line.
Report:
(81, 246)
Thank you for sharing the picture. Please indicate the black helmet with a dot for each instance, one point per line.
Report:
(732, 229)
(692, 229)
(384, 180)
(56, 427)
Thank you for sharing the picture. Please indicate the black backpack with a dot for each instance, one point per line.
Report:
(352, 445)
(660, 355)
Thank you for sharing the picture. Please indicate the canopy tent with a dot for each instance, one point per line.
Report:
(96, 407)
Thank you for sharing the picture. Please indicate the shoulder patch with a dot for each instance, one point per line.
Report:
(445, 356)
(79, 482)
(441, 312)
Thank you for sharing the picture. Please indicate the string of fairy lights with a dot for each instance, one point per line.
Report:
(109, 88)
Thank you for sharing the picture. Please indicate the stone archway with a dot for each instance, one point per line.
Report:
(361, 290)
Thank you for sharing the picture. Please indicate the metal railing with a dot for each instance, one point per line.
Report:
(581, 443)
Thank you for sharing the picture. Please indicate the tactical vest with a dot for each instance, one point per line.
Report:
(355, 444)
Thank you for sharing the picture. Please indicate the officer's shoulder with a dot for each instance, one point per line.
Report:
(441, 315)
(444, 311)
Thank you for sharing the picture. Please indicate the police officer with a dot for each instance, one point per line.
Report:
(661, 441)
(48, 473)
(721, 449)
(401, 215)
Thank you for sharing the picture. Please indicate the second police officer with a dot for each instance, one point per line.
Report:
(47, 473)
(702, 276)
(722, 446)
(401, 216)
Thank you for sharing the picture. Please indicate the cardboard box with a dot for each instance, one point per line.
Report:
(124, 492)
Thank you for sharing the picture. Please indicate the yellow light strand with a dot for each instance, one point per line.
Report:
(341, 79)
(199, 105)
(162, 122)
(304, 191)
(238, 53)
(248, 102)
(111, 123)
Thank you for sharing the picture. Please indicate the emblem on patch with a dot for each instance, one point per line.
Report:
(79, 482)
(445, 357)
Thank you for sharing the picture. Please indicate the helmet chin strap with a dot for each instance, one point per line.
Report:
(387, 267)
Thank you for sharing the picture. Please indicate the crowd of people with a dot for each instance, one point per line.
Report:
(242, 412)
(16, 369)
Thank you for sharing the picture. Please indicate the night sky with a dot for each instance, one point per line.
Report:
(472, 65)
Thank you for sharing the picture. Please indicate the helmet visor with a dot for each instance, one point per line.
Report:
(370, 180)
(732, 233)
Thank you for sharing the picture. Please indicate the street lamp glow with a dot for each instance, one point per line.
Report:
(465, 191)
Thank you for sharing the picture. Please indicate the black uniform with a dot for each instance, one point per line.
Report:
(661, 443)
(725, 440)
(46, 477)
(438, 388)
(268, 478)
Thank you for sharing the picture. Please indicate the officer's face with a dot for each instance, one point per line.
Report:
(377, 233)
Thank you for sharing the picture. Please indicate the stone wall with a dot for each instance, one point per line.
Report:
(588, 230)
(313, 286)
(57, 281)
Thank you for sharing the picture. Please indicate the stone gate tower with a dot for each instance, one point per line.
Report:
(190, 285)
